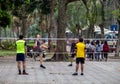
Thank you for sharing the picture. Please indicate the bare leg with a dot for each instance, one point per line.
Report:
(82, 68)
(71, 60)
(19, 67)
(76, 73)
(77, 66)
(41, 58)
(24, 65)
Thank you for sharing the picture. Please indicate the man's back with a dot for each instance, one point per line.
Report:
(80, 50)
(20, 46)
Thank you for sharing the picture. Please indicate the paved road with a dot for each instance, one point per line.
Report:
(60, 73)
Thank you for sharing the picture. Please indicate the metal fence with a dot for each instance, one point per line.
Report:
(111, 42)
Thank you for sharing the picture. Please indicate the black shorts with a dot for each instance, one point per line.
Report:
(20, 57)
(80, 60)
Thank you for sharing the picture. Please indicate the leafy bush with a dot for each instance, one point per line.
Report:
(5, 18)
(10, 45)
(54, 45)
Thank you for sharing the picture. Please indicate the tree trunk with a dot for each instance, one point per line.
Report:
(0, 37)
(52, 26)
(118, 20)
(24, 28)
(91, 16)
(102, 18)
(118, 42)
(60, 54)
(79, 32)
(102, 29)
(90, 33)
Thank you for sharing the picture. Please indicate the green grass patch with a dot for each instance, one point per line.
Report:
(7, 53)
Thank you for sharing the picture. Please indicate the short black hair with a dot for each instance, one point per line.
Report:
(21, 36)
(80, 39)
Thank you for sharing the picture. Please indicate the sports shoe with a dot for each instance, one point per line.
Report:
(70, 65)
(74, 74)
(42, 66)
(19, 72)
(81, 74)
(24, 73)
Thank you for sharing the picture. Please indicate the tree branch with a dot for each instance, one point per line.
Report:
(85, 3)
(69, 1)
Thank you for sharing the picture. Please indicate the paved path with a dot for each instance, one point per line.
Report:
(60, 73)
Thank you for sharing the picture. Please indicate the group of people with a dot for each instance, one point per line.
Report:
(97, 51)
(78, 49)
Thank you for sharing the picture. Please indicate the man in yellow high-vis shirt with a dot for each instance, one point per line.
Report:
(21, 52)
(80, 56)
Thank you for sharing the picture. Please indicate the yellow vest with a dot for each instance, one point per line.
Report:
(20, 45)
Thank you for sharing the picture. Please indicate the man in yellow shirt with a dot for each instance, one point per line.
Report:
(80, 56)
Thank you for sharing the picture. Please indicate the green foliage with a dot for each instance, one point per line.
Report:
(5, 18)
(28, 6)
(31, 44)
(20, 7)
(18, 3)
(34, 29)
(9, 45)
(116, 13)
(92, 11)
(6, 5)
(45, 6)
(42, 5)
(76, 15)
(7, 53)
(54, 46)
(33, 5)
